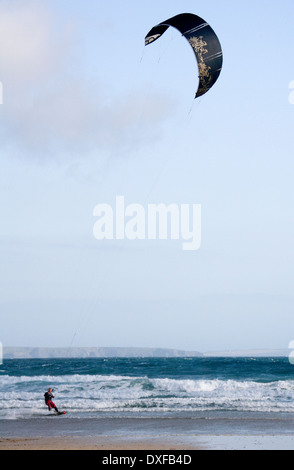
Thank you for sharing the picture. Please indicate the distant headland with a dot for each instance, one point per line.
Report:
(48, 353)
(112, 352)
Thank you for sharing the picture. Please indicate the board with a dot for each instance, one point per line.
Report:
(60, 413)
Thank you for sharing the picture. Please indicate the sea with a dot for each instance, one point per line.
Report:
(202, 395)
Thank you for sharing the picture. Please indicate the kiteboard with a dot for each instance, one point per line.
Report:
(60, 413)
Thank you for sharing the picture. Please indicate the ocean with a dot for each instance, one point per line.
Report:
(202, 395)
(145, 387)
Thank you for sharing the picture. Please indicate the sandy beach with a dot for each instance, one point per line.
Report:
(145, 434)
(193, 443)
(91, 443)
(95, 434)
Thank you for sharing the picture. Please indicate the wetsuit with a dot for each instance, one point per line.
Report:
(48, 400)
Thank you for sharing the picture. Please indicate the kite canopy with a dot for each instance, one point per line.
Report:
(204, 42)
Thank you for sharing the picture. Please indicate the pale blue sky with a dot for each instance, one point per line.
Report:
(89, 114)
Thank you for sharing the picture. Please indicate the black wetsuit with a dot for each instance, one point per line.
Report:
(48, 400)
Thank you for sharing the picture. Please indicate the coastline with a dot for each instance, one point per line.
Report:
(149, 405)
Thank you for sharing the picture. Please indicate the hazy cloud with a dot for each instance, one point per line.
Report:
(50, 108)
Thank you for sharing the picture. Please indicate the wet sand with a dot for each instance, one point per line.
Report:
(105, 443)
(146, 434)
(194, 443)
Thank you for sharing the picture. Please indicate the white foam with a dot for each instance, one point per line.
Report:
(21, 396)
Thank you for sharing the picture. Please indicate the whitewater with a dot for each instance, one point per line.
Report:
(138, 388)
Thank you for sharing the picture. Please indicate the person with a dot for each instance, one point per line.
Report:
(48, 400)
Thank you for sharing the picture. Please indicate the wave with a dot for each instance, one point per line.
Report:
(92, 394)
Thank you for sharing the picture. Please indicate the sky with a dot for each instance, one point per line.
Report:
(89, 113)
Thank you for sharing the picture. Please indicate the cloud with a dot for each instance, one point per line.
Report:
(52, 106)
(29, 47)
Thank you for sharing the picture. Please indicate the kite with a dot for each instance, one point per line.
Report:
(204, 42)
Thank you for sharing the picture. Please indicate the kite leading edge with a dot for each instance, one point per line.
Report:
(204, 42)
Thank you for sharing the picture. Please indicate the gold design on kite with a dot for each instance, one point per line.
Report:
(199, 46)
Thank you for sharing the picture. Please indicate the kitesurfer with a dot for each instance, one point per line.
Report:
(48, 400)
